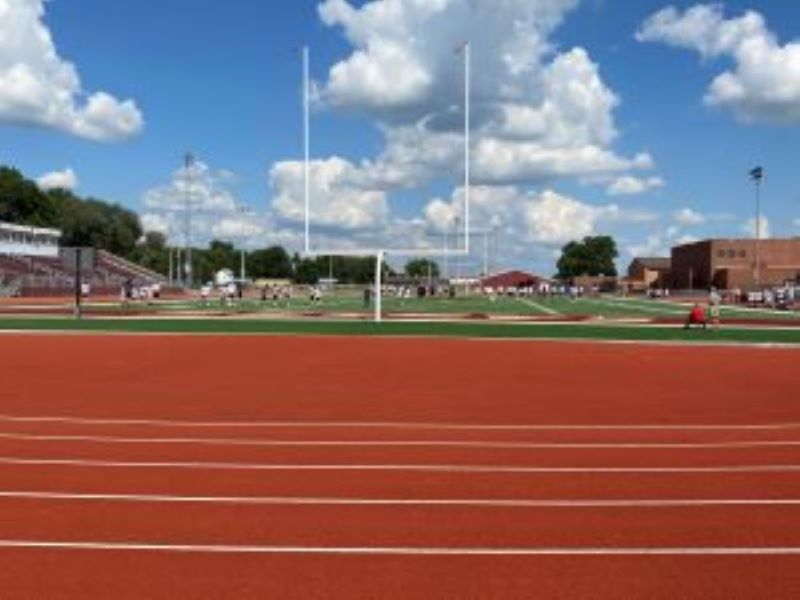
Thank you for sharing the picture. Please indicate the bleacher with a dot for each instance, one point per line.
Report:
(39, 276)
(33, 264)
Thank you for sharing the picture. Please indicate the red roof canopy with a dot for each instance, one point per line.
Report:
(511, 279)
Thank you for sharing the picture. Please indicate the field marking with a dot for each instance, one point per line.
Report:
(422, 468)
(540, 307)
(789, 314)
(485, 445)
(394, 424)
(618, 304)
(400, 550)
(444, 502)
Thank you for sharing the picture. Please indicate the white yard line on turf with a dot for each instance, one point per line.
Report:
(433, 425)
(617, 303)
(540, 307)
(488, 444)
(725, 308)
(400, 550)
(419, 468)
(436, 502)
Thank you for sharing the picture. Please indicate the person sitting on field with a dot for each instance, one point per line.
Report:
(697, 316)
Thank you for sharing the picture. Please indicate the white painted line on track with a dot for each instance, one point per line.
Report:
(443, 502)
(396, 424)
(422, 468)
(483, 445)
(399, 550)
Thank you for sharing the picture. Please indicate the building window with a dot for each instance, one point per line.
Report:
(742, 253)
(731, 253)
(720, 253)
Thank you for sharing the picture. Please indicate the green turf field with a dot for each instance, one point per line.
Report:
(455, 329)
(605, 306)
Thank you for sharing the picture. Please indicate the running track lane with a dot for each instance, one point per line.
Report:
(634, 456)
(517, 382)
(248, 378)
(154, 575)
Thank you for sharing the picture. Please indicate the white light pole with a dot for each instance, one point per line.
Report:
(446, 257)
(458, 258)
(757, 174)
(243, 212)
(486, 253)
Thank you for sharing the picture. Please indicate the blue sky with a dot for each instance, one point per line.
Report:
(626, 118)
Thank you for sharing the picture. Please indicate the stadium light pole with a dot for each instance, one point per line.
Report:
(446, 257)
(757, 174)
(486, 253)
(244, 212)
(188, 163)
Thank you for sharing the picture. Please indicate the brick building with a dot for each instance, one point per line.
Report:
(728, 264)
(648, 272)
(512, 279)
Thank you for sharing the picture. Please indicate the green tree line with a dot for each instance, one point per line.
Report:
(109, 226)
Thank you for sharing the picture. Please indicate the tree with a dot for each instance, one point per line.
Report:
(591, 256)
(270, 263)
(306, 270)
(422, 268)
(152, 253)
(23, 203)
(222, 255)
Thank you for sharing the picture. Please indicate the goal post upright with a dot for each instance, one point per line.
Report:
(467, 59)
(381, 253)
(306, 149)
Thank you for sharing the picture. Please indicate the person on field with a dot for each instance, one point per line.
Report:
(697, 316)
(714, 302)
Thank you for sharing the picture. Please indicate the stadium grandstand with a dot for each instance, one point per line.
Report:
(31, 264)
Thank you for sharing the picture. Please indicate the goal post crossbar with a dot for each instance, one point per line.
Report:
(381, 253)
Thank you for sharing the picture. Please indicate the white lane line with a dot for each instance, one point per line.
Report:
(400, 550)
(397, 424)
(445, 502)
(422, 468)
(103, 439)
(540, 307)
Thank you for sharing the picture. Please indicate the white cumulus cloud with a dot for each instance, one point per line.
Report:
(628, 185)
(749, 227)
(40, 88)
(764, 84)
(338, 197)
(214, 209)
(688, 216)
(63, 180)
(537, 113)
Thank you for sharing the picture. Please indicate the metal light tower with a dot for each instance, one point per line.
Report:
(244, 212)
(757, 175)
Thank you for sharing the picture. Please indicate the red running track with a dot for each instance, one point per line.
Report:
(170, 466)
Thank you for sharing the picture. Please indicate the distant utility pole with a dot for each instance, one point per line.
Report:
(244, 212)
(757, 174)
(486, 253)
(188, 164)
(458, 245)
